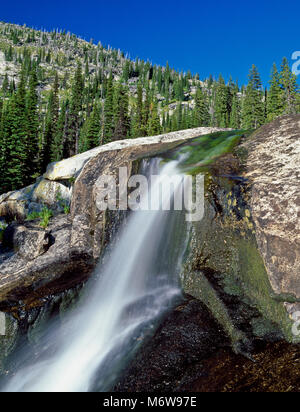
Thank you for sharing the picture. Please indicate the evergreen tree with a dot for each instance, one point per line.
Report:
(221, 104)
(274, 102)
(154, 126)
(289, 86)
(60, 132)
(108, 127)
(138, 118)
(32, 141)
(253, 108)
(16, 138)
(50, 126)
(91, 131)
(235, 116)
(74, 119)
(122, 123)
(200, 113)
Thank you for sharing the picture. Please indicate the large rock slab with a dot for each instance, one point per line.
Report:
(273, 168)
(70, 168)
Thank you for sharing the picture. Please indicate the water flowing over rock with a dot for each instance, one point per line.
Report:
(245, 252)
(242, 261)
(77, 240)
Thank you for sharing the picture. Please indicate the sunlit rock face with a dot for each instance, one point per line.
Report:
(273, 168)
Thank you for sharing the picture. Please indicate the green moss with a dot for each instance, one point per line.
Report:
(257, 287)
(198, 286)
(224, 242)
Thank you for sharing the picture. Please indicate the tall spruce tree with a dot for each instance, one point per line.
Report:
(275, 99)
(154, 126)
(122, 120)
(108, 127)
(221, 103)
(50, 125)
(74, 116)
(289, 86)
(91, 131)
(16, 138)
(253, 108)
(201, 112)
(32, 141)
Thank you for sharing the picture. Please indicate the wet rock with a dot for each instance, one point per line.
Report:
(187, 335)
(190, 352)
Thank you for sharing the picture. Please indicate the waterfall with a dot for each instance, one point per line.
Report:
(128, 293)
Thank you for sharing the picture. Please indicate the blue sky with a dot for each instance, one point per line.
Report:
(204, 36)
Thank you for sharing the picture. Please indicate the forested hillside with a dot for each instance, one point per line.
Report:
(61, 95)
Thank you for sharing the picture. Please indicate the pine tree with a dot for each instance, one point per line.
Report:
(146, 112)
(289, 86)
(108, 127)
(274, 101)
(221, 104)
(50, 126)
(74, 120)
(200, 113)
(154, 126)
(253, 108)
(32, 142)
(59, 137)
(91, 130)
(122, 124)
(138, 118)
(235, 116)
(16, 138)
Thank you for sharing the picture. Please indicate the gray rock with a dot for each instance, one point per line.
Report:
(29, 243)
(52, 194)
(273, 169)
(71, 167)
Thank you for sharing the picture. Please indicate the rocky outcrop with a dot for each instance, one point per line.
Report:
(244, 254)
(29, 275)
(273, 169)
(66, 252)
(27, 243)
(70, 168)
(21, 203)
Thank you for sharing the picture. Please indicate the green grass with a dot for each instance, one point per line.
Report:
(44, 215)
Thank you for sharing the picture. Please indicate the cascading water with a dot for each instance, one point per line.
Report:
(135, 286)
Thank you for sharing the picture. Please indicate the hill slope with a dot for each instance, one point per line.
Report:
(61, 95)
